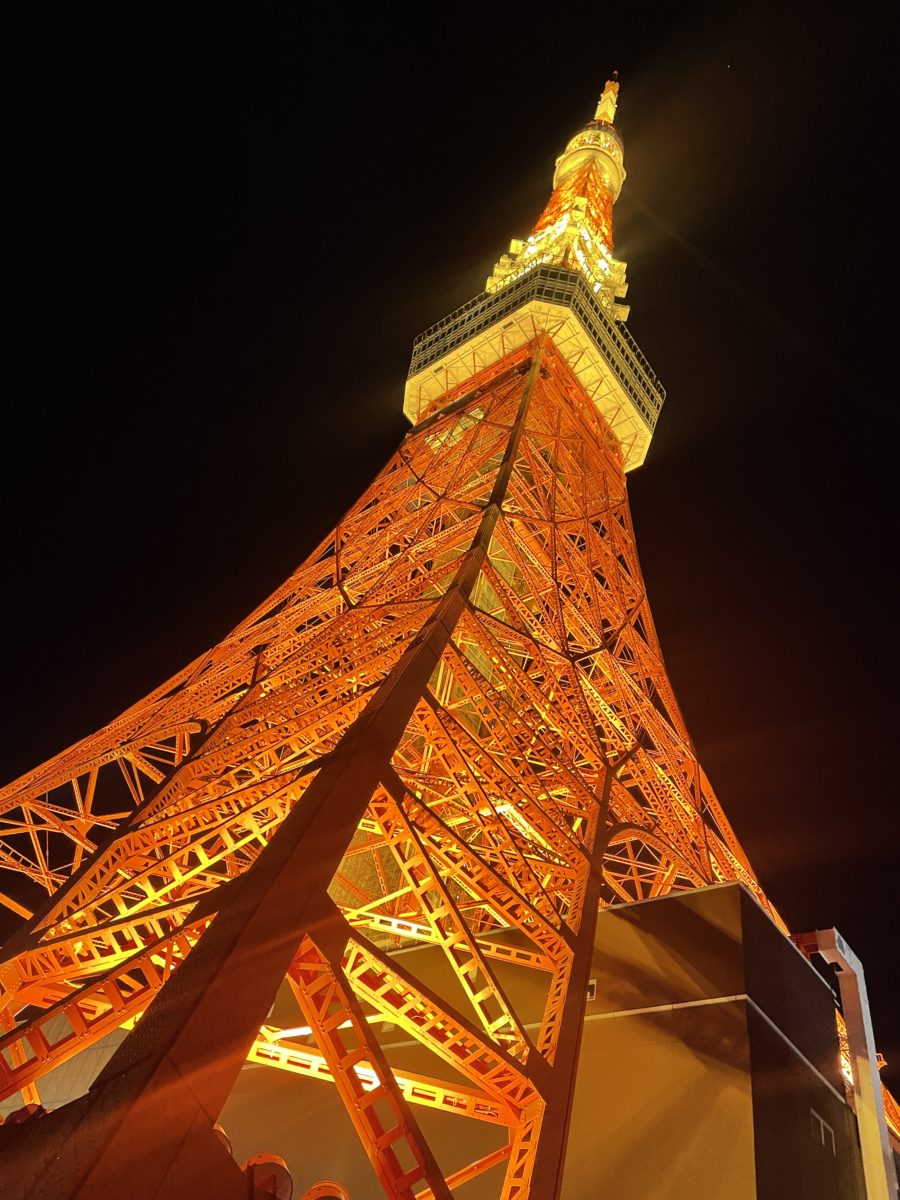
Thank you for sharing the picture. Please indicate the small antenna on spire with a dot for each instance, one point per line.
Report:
(606, 108)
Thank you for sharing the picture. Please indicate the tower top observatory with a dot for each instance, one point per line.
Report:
(562, 279)
(598, 143)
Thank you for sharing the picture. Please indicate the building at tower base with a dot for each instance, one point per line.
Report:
(709, 1060)
(709, 1067)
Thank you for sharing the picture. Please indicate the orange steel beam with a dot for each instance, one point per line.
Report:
(473, 1170)
(451, 933)
(486, 592)
(541, 767)
(105, 884)
(451, 727)
(270, 1051)
(341, 1032)
(549, 683)
(28, 1050)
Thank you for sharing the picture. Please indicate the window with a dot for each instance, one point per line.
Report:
(822, 1131)
(592, 989)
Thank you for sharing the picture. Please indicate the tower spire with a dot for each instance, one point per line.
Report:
(575, 230)
(606, 105)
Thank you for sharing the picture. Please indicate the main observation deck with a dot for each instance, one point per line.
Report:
(554, 300)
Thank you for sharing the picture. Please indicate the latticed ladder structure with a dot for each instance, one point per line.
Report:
(452, 726)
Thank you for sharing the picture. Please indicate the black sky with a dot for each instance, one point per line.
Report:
(224, 231)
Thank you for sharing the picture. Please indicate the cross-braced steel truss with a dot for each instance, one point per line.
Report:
(452, 726)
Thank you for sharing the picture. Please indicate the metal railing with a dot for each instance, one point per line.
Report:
(554, 285)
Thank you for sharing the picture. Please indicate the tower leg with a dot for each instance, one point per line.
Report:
(168, 1081)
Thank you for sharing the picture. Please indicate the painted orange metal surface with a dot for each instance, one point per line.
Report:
(547, 740)
(585, 193)
(545, 769)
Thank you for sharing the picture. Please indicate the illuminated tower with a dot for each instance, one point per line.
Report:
(451, 728)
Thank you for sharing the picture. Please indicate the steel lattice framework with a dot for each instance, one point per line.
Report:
(452, 726)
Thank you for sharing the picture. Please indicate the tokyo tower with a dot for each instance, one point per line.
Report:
(450, 730)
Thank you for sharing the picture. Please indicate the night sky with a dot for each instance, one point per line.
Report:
(225, 232)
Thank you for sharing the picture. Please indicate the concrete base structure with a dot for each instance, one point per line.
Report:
(708, 1071)
(709, 1065)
